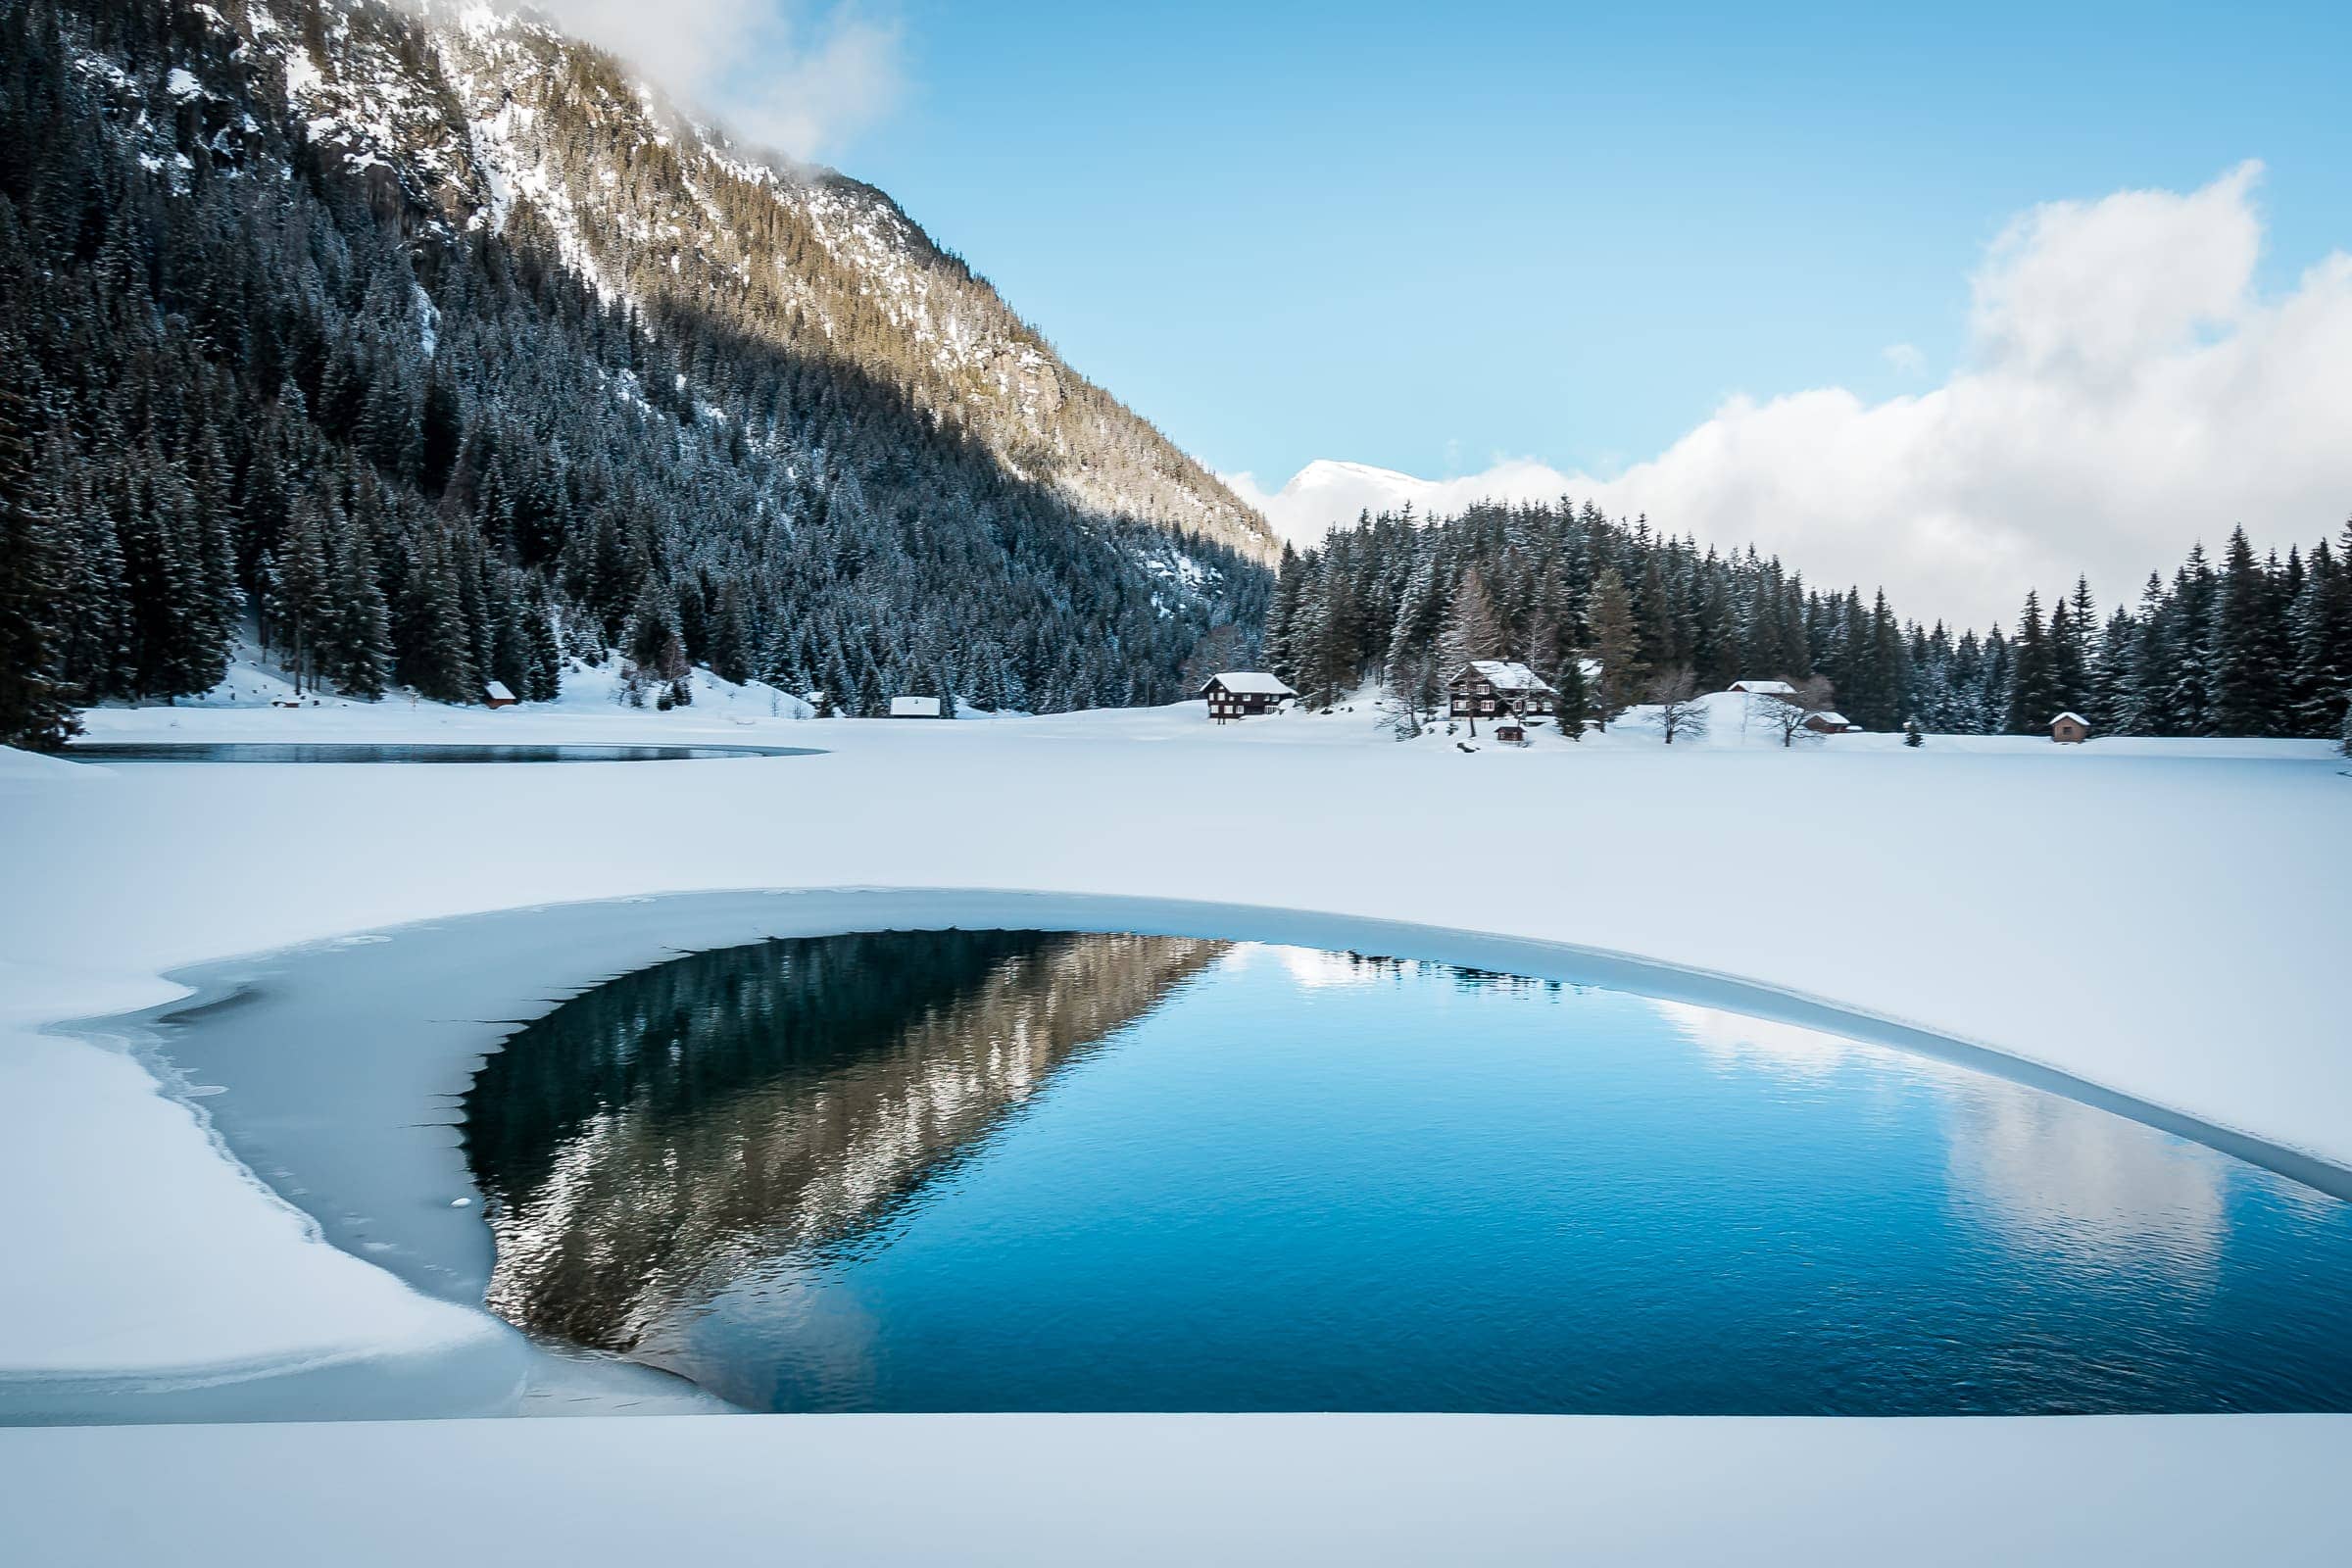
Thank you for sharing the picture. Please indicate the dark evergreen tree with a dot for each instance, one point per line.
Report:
(2243, 671)
(35, 708)
(2034, 695)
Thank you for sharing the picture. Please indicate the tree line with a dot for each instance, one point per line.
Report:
(2253, 646)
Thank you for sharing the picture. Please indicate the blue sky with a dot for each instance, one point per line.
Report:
(1958, 304)
(1429, 238)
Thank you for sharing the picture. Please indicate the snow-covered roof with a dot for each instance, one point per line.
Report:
(1249, 683)
(1831, 716)
(498, 692)
(914, 708)
(2076, 717)
(1505, 676)
(1764, 688)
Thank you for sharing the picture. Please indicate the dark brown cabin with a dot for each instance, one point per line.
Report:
(1243, 694)
(1493, 688)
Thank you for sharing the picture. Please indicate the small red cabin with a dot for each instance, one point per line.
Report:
(495, 695)
(2070, 729)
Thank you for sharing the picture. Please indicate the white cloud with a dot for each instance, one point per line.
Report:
(1906, 358)
(778, 73)
(2127, 391)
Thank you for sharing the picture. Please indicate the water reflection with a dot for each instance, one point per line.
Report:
(1014, 1171)
(1735, 1040)
(2088, 1189)
(658, 1136)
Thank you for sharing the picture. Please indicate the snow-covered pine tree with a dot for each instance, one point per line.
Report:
(1616, 643)
(34, 710)
(359, 643)
(2320, 623)
(1575, 708)
(2035, 696)
(2242, 669)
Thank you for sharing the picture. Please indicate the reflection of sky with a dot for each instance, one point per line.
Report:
(2043, 1172)
(1730, 1040)
(1290, 1179)
(2105, 1192)
(1312, 968)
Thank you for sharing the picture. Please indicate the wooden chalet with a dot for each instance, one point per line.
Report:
(1827, 723)
(1243, 694)
(915, 707)
(1495, 687)
(1763, 688)
(495, 695)
(2070, 729)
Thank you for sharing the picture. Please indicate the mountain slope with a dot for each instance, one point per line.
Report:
(432, 348)
(667, 215)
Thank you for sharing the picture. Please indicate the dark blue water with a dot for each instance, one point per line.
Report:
(371, 752)
(1007, 1171)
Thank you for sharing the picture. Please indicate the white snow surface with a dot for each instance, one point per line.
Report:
(2164, 920)
(1149, 1490)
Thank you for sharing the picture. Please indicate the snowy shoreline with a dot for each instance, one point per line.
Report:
(2159, 920)
(1191, 1488)
(362, 1139)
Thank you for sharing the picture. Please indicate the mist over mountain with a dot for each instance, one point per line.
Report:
(431, 346)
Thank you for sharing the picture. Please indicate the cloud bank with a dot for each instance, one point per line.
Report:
(779, 73)
(2126, 392)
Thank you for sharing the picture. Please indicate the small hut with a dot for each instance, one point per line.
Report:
(915, 707)
(1243, 694)
(1827, 722)
(495, 695)
(1763, 688)
(2070, 729)
(1512, 734)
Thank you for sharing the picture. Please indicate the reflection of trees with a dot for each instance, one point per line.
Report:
(651, 1138)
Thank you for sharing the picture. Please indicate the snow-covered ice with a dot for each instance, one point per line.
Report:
(2159, 919)
(1287, 1490)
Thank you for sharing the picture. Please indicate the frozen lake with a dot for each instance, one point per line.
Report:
(403, 752)
(1007, 1170)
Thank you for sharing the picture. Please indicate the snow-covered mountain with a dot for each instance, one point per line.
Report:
(500, 123)
(418, 340)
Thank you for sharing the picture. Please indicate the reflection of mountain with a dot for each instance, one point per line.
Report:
(2102, 1191)
(651, 1138)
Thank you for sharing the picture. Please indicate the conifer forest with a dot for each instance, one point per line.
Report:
(411, 351)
